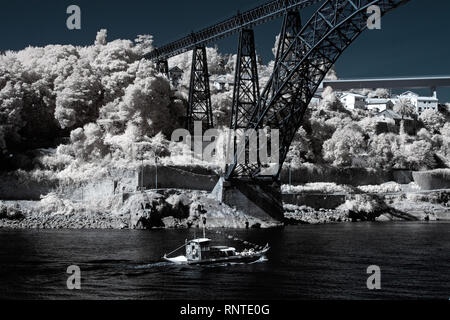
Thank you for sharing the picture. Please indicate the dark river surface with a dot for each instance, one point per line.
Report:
(305, 262)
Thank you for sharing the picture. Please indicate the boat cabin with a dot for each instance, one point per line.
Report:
(200, 249)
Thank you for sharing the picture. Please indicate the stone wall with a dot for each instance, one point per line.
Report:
(315, 201)
(433, 180)
(175, 178)
(350, 176)
(23, 186)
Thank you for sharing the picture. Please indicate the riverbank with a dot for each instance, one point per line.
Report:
(169, 208)
(175, 209)
(110, 201)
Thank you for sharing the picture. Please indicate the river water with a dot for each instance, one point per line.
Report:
(305, 262)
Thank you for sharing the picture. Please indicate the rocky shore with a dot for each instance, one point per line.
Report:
(142, 210)
(175, 208)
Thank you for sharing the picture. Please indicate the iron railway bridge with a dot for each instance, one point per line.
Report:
(305, 54)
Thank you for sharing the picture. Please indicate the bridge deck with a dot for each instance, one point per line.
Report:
(248, 19)
(389, 83)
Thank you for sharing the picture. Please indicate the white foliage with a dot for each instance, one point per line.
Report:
(101, 37)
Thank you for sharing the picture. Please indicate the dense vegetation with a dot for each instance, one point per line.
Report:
(100, 103)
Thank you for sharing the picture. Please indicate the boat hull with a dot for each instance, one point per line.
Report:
(232, 259)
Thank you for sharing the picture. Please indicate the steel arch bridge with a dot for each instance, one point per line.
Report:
(315, 49)
(305, 55)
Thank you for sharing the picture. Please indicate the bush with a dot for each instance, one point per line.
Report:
(345, 146)
(432, 120)
(3, 210)
(11, 213)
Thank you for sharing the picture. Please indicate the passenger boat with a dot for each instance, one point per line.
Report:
(200, 252)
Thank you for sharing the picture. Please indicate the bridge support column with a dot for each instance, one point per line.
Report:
(256, 198)
(292, 25)
(199, 106)
(246, 84)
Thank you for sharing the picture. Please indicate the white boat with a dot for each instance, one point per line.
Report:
(199, 251)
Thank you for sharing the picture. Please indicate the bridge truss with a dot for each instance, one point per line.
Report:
(199, 105)
(305, 55)
(246, 20)
(321, 41)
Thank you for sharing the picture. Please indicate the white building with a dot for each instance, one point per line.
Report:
(379, 104)
(420, 103)
(352, 101)
(223, 82)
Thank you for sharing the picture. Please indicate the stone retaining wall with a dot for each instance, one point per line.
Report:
(350, 176)
(433, 180)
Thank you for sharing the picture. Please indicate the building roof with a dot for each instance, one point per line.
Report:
(223, 79)
(352, 94)
(389, 114)
(392, 115)
(408, 94)
(175, 69)
(428, 99)
(378, 100)
(201, 240)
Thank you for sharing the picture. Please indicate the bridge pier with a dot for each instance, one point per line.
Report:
(199, 106)
(257, 198)
(246, 84)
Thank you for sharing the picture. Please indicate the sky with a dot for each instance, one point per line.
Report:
(413, 40)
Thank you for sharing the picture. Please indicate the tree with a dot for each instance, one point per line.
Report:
(221, 105)
(445, 149)
(144, 44)
(379, 93)
(100, 40)
(419, 155)
(332, 74)
(433, 120)
(78, 97)
(329, 101)
(404, 107)
(345, 146)
(383, 151)
(301, 149)
(11, 115)
(88, 142)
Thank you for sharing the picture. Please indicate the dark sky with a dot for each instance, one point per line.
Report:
(413, 40)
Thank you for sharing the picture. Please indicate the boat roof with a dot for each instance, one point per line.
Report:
(223, 248)
(201, 240)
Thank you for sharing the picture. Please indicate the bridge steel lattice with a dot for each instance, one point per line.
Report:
(282, 105)
(246, 88)
(292, 25)
(246, 20)
(199, 107)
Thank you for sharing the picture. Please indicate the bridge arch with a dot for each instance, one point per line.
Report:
(323, 39)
